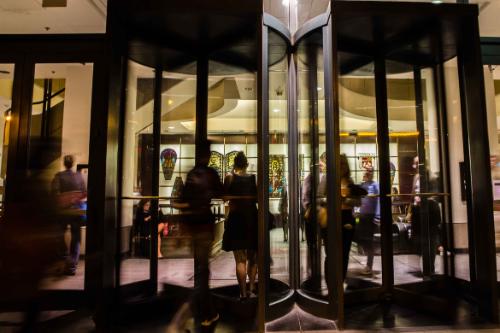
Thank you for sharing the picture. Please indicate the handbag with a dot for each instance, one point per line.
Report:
(69, 200)
(322, 217)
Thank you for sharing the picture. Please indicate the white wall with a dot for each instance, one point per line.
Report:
(76, 116)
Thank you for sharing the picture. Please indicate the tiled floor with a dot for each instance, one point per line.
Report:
(180, 271)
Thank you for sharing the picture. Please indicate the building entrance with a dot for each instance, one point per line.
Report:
(355, 136)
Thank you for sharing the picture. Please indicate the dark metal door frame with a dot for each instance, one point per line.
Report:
(18, 50)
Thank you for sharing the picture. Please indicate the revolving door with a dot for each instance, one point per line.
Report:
(380, 103)
(363, 98)
(225, 79)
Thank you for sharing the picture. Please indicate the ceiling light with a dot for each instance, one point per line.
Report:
(170, 102)
(319, 88)
(437, 1)
(9, 116)
(171, 127)
(276, 110)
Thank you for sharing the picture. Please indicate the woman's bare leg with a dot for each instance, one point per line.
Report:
(241, 270)
(160, 230)
(252, 269)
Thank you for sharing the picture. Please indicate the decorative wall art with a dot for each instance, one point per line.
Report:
(168, 158)
(217, 162)
(365, 161)
(177, 188)
(276, 175)
(229, 161)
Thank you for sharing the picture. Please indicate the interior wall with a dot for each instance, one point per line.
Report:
(76, 118)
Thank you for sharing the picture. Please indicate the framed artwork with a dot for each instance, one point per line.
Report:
(365, 161)
(229, 161)
(276, 175)
(168, 158)
(177, 188)
(217, 162)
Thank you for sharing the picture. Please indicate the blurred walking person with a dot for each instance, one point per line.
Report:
(30, 236)
(202, 185)
(68, 187)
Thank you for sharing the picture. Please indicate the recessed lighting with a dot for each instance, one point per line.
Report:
(276, 110)
(437, 1)
(319, 88)
(171, 127)
(170, 102)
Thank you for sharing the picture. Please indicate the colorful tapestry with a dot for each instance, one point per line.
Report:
(366, 161)
(276, 175)
(177, 189)
(217, 162)
(393, 172)
(168, 158)
(229, 161)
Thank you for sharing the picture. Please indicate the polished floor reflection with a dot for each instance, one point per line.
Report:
(180, 271)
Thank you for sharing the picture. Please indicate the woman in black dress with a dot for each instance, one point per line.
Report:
(240, 230)
(142, 220)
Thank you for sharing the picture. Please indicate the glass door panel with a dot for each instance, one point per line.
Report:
(136, 214)
(492, 88)
(59, 148)
(312, 165)
(359, 146)
(456, 227)
(232, 128)
(6, 82)
(176, 159)
(417, 190)
(278, 169)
